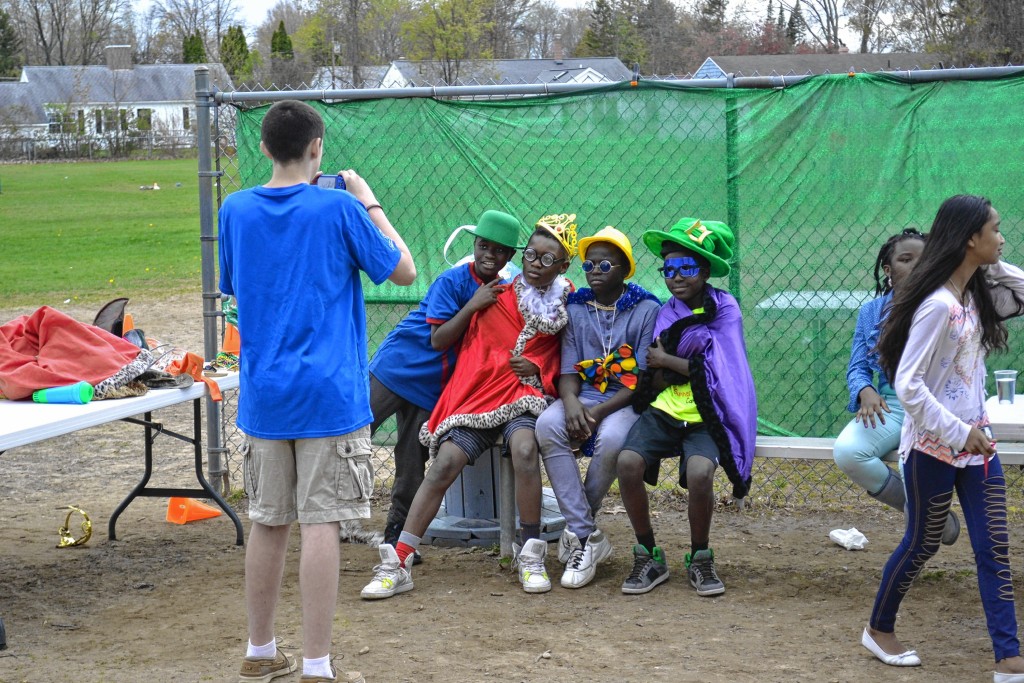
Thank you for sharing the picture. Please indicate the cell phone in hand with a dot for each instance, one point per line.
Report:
(331, 182)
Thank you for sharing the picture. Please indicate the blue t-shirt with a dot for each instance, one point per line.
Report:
(405, 362)
(291, 256)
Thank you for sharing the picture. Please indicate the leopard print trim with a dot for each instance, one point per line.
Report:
(494, 418)
(107, 388)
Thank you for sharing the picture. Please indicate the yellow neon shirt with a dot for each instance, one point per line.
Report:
(677, 401)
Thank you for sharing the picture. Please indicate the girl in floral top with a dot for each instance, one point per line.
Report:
(945, 318)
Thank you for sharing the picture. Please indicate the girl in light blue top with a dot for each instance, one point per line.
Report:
(875, 428)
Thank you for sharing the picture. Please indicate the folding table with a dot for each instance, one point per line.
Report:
(25, 422)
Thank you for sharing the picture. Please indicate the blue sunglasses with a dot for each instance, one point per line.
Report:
(685, 266)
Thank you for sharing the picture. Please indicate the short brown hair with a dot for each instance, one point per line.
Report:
(288, 128)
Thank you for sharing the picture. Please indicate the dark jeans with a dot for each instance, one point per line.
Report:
(410, 455)
(930, 484)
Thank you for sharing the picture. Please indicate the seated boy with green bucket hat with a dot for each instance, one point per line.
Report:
(416, 359)
(696, 400)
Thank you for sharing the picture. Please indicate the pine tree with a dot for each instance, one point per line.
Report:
(599, 38)
(10, 44)
(795, 29)
(771, 12)
(192, 50)
(234, 52)
(281, 44)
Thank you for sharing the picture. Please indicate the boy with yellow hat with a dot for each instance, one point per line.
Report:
(609, 322)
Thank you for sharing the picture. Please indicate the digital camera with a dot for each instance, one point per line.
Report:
(331, 182)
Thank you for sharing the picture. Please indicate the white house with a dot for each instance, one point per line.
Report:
(100, 102)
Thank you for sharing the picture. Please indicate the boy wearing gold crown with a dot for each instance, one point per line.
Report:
(504, 379)
(696, 401)
(609, 322)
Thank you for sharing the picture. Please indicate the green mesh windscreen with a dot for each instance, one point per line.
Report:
(812, 178)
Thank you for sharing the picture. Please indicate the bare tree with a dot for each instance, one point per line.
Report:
(822, 20)
(866, 18)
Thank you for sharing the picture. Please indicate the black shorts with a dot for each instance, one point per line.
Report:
(657, 435)
(473, 442)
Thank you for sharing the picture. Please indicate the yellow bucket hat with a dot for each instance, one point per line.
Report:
(616, 238)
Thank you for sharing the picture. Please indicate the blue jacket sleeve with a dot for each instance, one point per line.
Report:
(859, 373)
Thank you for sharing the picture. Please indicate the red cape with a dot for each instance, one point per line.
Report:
(50, 349)
(483, 382)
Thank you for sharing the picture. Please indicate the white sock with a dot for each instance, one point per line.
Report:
(268, 651)
(321, 666)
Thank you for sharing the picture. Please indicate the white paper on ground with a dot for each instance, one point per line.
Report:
(851, 539)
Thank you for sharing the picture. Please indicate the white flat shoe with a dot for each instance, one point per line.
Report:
(1007, 678)
(908, 658)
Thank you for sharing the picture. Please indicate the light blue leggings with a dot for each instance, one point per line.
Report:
(858, 449)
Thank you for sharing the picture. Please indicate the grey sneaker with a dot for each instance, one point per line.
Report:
(389, 577)
(701, 569)
(649, 569)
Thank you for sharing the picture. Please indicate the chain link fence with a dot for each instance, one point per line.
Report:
(812, 173)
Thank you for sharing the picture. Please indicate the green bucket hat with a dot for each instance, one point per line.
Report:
(498, 227)
(711, 239)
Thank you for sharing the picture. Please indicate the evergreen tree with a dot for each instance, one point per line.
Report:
(234, 53)
(599, 38)
(281, 44)
(795, 29)
(780, 23)
(192, 50)
(10, 45)
(771, 12)
(712, 14)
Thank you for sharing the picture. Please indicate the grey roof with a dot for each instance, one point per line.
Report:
(800, 64)
(99, 85)
(516, 71)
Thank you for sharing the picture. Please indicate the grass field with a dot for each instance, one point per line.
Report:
(86, 231)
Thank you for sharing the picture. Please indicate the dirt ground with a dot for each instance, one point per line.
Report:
(165, 602)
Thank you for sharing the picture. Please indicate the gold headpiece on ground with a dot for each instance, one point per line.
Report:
(66, 539)
(562, 227)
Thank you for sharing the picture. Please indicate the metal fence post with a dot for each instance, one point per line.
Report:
(216, 470)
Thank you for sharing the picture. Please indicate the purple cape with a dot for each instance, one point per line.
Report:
(723, 386)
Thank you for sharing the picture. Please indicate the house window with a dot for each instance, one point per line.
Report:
(81, 122)
(53, 122)
(122, 115)
(186, 122)
(98, 113)
(144, 119)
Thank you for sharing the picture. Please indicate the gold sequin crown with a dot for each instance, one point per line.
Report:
(562, 227)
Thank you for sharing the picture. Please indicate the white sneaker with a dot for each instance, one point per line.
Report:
(582, 564)
(580, 569)
(389, 577)
(565, 545)
(602, 547)
(530, 560)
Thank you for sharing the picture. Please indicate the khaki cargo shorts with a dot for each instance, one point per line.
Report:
(311, 481)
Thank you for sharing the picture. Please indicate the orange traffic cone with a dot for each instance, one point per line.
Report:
(232, 342)
(183, 510)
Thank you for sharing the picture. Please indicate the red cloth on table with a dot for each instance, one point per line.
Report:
(50, 349)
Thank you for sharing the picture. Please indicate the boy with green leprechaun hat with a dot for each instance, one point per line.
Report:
(696, 400)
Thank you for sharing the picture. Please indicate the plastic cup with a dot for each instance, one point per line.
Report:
(79, 392)
(1006, 385)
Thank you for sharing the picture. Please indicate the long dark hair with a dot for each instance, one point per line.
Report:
(883, 285)
(958, 219)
